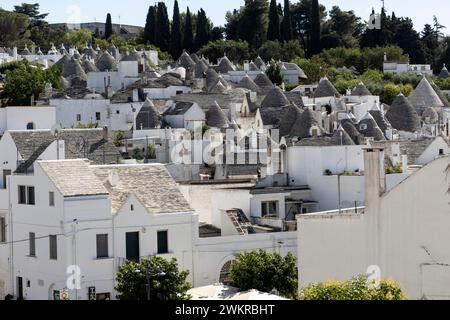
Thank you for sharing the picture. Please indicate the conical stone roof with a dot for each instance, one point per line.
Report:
(430, 116)
(369, 128)
(186, 61)
(288, 120)
(225, 65)
(325, 89)
(361, 90)
(263, 81)
(148, 117)
(379, 117)
(275, 98)
(402, 115)
(106, 62)
(216, 118)
(440, 95)
(302, 127)
(444, 74)
(341, 138)
(424, 96)
(248, 83)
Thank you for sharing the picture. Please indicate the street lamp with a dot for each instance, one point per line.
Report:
(148, 275)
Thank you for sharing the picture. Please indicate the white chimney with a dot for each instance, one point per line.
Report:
(135, 95)
(253, 96)
(113, 179)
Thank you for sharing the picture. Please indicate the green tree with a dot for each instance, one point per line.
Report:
(285, 51)
(342, 29)
(275, 73)
(253, 23)
(188, 39)
(25, 81)
(162, 35)
(78, 38)
(217, 33)
(108, 27)
(150, 26)
(315, 44)
(133, 279)
(13, 26)
(359, 288)
(203, 29)
(232, 26)
(409, 40)
(265, 272)
(32, 11)
(286, 25)
(235, 50)
(176, 36)
(273, 33)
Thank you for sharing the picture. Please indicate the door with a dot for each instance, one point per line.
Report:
(19, 288)
(132, 246)
(6, 173)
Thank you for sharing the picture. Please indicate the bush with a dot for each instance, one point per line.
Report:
(357, 288)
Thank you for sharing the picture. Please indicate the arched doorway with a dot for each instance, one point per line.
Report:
(31, 126)
(224, 277)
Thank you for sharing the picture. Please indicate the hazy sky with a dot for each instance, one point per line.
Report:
(134, 11)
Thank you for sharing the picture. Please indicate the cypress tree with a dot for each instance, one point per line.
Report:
(108, 27)
(188, 39)
(150, 26)
(162, 35)
(202, 34)
(286, 26)
(315, 46)
(273, 32)
(176, 36)
(280, 9)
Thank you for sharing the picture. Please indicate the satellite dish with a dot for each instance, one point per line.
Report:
(56, 130)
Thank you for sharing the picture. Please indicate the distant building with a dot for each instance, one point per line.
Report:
(398, 67)
(123, 30)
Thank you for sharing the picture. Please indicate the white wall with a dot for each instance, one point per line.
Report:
(165, 93)
(17, 118)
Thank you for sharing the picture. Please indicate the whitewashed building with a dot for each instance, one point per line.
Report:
(401, 232)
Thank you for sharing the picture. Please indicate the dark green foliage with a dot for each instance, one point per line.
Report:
(203, 29)
(284, 51)
(253, 23)
(13, 27)
(286, 25)
(265, 272)
(273, 33)
(108, 27)
(162, 34)
(150, 26)
(176, 36)
(132, 280)
(315, 32)
(188, 39)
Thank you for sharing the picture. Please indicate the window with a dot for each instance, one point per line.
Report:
(31, 126)
(103, 296)
(132, 207)
(32, 242)
(51, 199)
(2, 230)
(179, 92)
(441, 152)
(363, 127)
(98, 116)
(102, 246)
(6, 174)
(78, 117)
(269, 209)
(53, 247)
(163, 245)
(22, 195)
(26, 195)
(30, 196)
(117, 111)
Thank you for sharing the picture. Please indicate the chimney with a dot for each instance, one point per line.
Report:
(105, 133)
(375, 176)
(253, 97)
(113, 179)
(385, 57)
(135, 95)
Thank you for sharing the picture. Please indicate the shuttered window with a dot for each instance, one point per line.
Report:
(53, 247)
(102, 246)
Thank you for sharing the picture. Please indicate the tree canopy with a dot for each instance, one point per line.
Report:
(166, 281)
(265, 272)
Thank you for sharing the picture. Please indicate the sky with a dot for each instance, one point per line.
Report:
(134, 11)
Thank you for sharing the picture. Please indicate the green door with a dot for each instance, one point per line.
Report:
(132, 246)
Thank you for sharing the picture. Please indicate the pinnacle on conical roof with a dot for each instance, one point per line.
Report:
(248, 83)
(342, 138)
